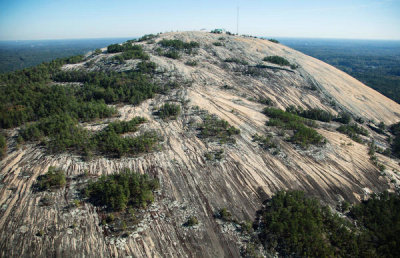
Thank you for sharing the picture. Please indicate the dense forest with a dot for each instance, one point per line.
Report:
(296, 225)
(50, 113)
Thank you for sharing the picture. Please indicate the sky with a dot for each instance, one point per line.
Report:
(67, 19)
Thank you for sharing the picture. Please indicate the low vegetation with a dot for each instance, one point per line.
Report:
(52, 180)
(61, 133)
(353, 131)
(123, 190)
(216, 155)
(192, 221)
(179, 45)
(274, 40)
(279, 61)
(266, 142)
(302, 133)
(214, 128)
(135, 52)
(313, 113)
(191, 63)
(218, 44)
(173, 54)
(169, 111)
(236, 61)
(147, 37)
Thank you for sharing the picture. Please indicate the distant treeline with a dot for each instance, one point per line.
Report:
(375, 63)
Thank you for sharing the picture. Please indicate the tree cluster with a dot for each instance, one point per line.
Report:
(122, 190)
(53, 179)
(303, 134)
(169, 111)
(295, 225)
(215, 128)
(179, 45)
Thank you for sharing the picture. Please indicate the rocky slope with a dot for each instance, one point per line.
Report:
(191, 185)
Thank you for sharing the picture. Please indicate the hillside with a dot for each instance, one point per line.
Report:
(202, 164)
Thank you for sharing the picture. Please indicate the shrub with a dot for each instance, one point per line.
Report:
(303, 135)
(218, 44)
(192, 221)
(179, 45)
(224, 214)
(218, 129)
(236, 60)
(343, 118)
(191, 63)
(53, 179)
(214, 155)
(265, 142)
(169, 111)
(147, 37)
(277, 60)
(313, 113)
(114, 48)
(273, 40)
(266, 101)
(353, 131)
(121, 190)
(172, 54)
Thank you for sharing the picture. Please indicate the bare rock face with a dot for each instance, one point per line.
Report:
(191, 185)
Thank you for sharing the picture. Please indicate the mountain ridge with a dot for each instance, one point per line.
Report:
(226, 81)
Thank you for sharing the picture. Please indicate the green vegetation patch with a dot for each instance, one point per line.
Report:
(179, 45)
(147, 37)
(395, 130)
(266, 142)
(62, 133)
(216, 155)
(303, 134)
(279, 61)
(274, 40)
(353, 131)
(3, 146)
(173, 54)
(192, 221)
(295, 225)
(380, 218)
(53, 179)
(134, 53)
(313, 113)
(122, 190)
(169, 111)
(236, 61)
(218, 129)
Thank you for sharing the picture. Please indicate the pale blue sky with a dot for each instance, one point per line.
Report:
(57, 19)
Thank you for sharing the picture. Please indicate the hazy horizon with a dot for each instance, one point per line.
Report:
(72, 19)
